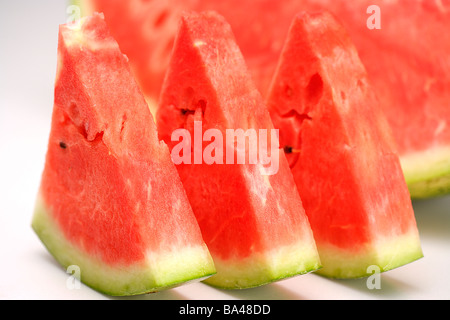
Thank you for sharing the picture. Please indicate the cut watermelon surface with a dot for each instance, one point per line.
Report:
(253, 222)
(341, 152)
(407, 60)
(111, 201)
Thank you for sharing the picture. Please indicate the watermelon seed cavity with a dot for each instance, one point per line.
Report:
(161, 19)
(122, 127)
(315, 89)
(289, 150)
(288, 91)
(187, 111)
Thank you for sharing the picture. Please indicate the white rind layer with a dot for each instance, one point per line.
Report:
(158, 272)
(262, 268)
(427, 172)
(383, 255)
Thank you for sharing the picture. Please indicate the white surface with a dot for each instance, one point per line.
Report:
(28, 42)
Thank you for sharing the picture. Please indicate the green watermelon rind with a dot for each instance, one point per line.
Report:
(387, 255)
(427, 173)
(261, 269)
(187, 265)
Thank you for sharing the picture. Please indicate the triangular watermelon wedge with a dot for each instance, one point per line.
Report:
(252, 220)
(406, 55)
(341, 152)
(111, 202)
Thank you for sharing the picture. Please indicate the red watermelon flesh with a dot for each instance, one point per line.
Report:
(341, 152)
(111, 201)
(145, 31)
(407, 60)
(253, 223)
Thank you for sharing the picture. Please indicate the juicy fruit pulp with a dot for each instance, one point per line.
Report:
(410, 76)
(254, 224)
(341, 152)
(408, 63)
(110, 200)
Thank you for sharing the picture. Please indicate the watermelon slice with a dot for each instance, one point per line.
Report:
(341, 152)
(253, 221)
(111, 201)
(408, 62)
(411, 76)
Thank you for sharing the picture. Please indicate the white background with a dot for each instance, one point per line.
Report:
(28, 46)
